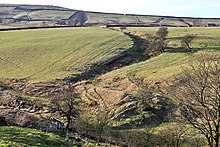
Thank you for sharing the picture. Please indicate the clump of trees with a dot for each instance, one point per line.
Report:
(155, 45)
(198, 90)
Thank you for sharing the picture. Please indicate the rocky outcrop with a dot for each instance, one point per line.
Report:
(131, 110)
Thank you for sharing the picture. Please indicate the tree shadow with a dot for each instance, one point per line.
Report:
(213, 48)
(176, 50)
(184, 50)
(202, 45)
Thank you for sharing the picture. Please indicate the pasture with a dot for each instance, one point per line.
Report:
(49, 54)
(175, 57)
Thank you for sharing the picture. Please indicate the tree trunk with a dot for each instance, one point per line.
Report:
(68, 123)
(217, 134)
(189, 48)
(216, 141)
(216, 137)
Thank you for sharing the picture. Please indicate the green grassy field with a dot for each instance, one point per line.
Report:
(172, 61)
(18, 137)
(48, 54)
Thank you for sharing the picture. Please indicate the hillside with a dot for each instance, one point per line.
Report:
(156, 71)
(96, 60)
(46, 55)
(124, 92)
(171, 62)
(14, 16)
(99, 63)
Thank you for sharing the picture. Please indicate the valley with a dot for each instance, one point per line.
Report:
(80, 78)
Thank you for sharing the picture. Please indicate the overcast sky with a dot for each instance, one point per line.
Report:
(194, 8)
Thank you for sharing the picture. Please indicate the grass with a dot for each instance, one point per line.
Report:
(172, 61)
(18, 137)
(156, 68)
(45, 55)
(48, 54)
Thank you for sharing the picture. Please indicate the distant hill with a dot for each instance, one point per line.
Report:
(15, 16)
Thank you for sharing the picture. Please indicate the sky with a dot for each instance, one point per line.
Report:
(188, 8)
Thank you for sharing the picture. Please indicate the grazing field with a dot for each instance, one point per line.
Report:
(48, 54)
(172, 61)
(17, 137)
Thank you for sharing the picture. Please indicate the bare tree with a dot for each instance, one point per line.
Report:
(152, 45)
(157, 44)
(102, 121)
(198, 90)
(67, 104)
(162, 33)
(84, 124)
(173, 134)
(186, 41)
(139, 138)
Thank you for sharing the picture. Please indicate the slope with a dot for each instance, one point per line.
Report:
(43, 55)
(171, 62)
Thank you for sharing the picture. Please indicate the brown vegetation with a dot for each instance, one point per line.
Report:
(199, 93)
